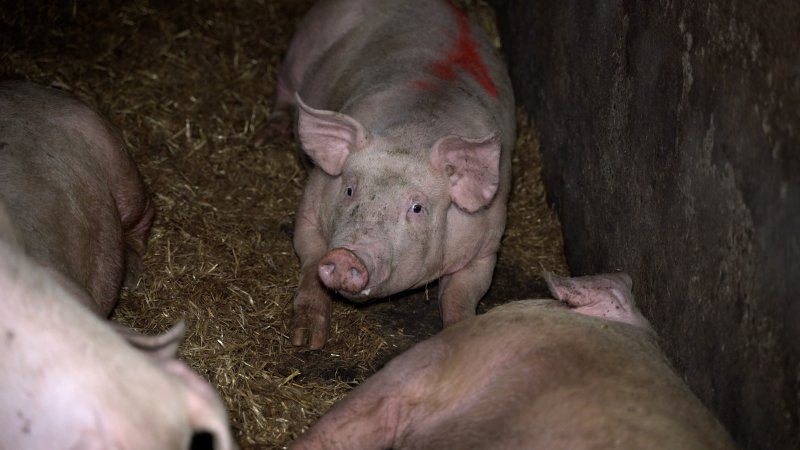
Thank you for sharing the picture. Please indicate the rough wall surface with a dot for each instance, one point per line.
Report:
(670, 132)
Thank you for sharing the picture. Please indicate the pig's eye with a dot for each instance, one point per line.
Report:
(416, 208)
(348, 191)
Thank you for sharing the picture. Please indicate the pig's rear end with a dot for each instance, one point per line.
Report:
(71, 189)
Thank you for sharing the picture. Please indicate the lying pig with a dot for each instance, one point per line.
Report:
(71, 202)
(71, 190)
(70, 381)
(585, 373)
(408, 116)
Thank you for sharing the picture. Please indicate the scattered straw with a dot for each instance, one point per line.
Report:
(188, 83)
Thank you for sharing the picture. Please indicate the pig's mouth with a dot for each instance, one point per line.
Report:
(343, 271)
(356, 297)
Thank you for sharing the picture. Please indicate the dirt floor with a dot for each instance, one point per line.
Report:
(188, 82)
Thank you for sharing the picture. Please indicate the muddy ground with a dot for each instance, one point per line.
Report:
(188, 83)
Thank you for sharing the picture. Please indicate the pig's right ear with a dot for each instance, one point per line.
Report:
(206, 413)
(328, 137)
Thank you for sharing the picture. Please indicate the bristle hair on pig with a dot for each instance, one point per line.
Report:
(407, 113)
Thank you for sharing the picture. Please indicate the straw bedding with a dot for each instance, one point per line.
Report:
(188, 83)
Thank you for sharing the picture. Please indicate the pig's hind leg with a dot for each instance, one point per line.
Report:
(135, 235)
(320, 28)
(365, 419)
(281, 117)
(389, 408)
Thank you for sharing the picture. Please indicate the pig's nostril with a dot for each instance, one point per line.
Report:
(342, 270)
(327, 269)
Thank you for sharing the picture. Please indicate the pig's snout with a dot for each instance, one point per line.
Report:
(343, 271)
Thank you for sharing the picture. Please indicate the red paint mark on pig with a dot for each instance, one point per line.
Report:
(463, 55)
(422, 84)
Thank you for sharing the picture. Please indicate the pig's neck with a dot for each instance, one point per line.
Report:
(418, 119)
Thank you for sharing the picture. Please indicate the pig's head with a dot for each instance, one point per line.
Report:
(74, 380)
(388, 223)
(204, 412)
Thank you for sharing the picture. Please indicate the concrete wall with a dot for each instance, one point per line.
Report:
(670, 136)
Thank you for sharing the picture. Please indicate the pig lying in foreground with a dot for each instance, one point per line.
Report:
(585, 373)
(408, 116)
(68, 380)
(71, 190)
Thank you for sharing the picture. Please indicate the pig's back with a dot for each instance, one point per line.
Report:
(557, 379)
(383, 73)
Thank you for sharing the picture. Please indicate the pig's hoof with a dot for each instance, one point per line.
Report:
(279, 124)
(341, 270)
(310, 325)
(300, 338)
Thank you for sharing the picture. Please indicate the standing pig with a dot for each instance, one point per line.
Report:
(585, 374)
(408, 116)
(71, 190)
(70, 381)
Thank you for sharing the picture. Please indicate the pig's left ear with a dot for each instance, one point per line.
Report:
(161, 347)
(473, 166)
(328, 137)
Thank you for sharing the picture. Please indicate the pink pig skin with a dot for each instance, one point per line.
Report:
(408, 115)
(71, 204)
(583, 374)
(71, 381)
(71, 190)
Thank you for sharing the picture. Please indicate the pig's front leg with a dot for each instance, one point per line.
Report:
(460, 292)
(311, 318)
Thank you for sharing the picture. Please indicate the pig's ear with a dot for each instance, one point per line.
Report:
(473, 166)
(160, 347)
(328, 137)
(607, 296)
(577, 292)
(205, 410)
